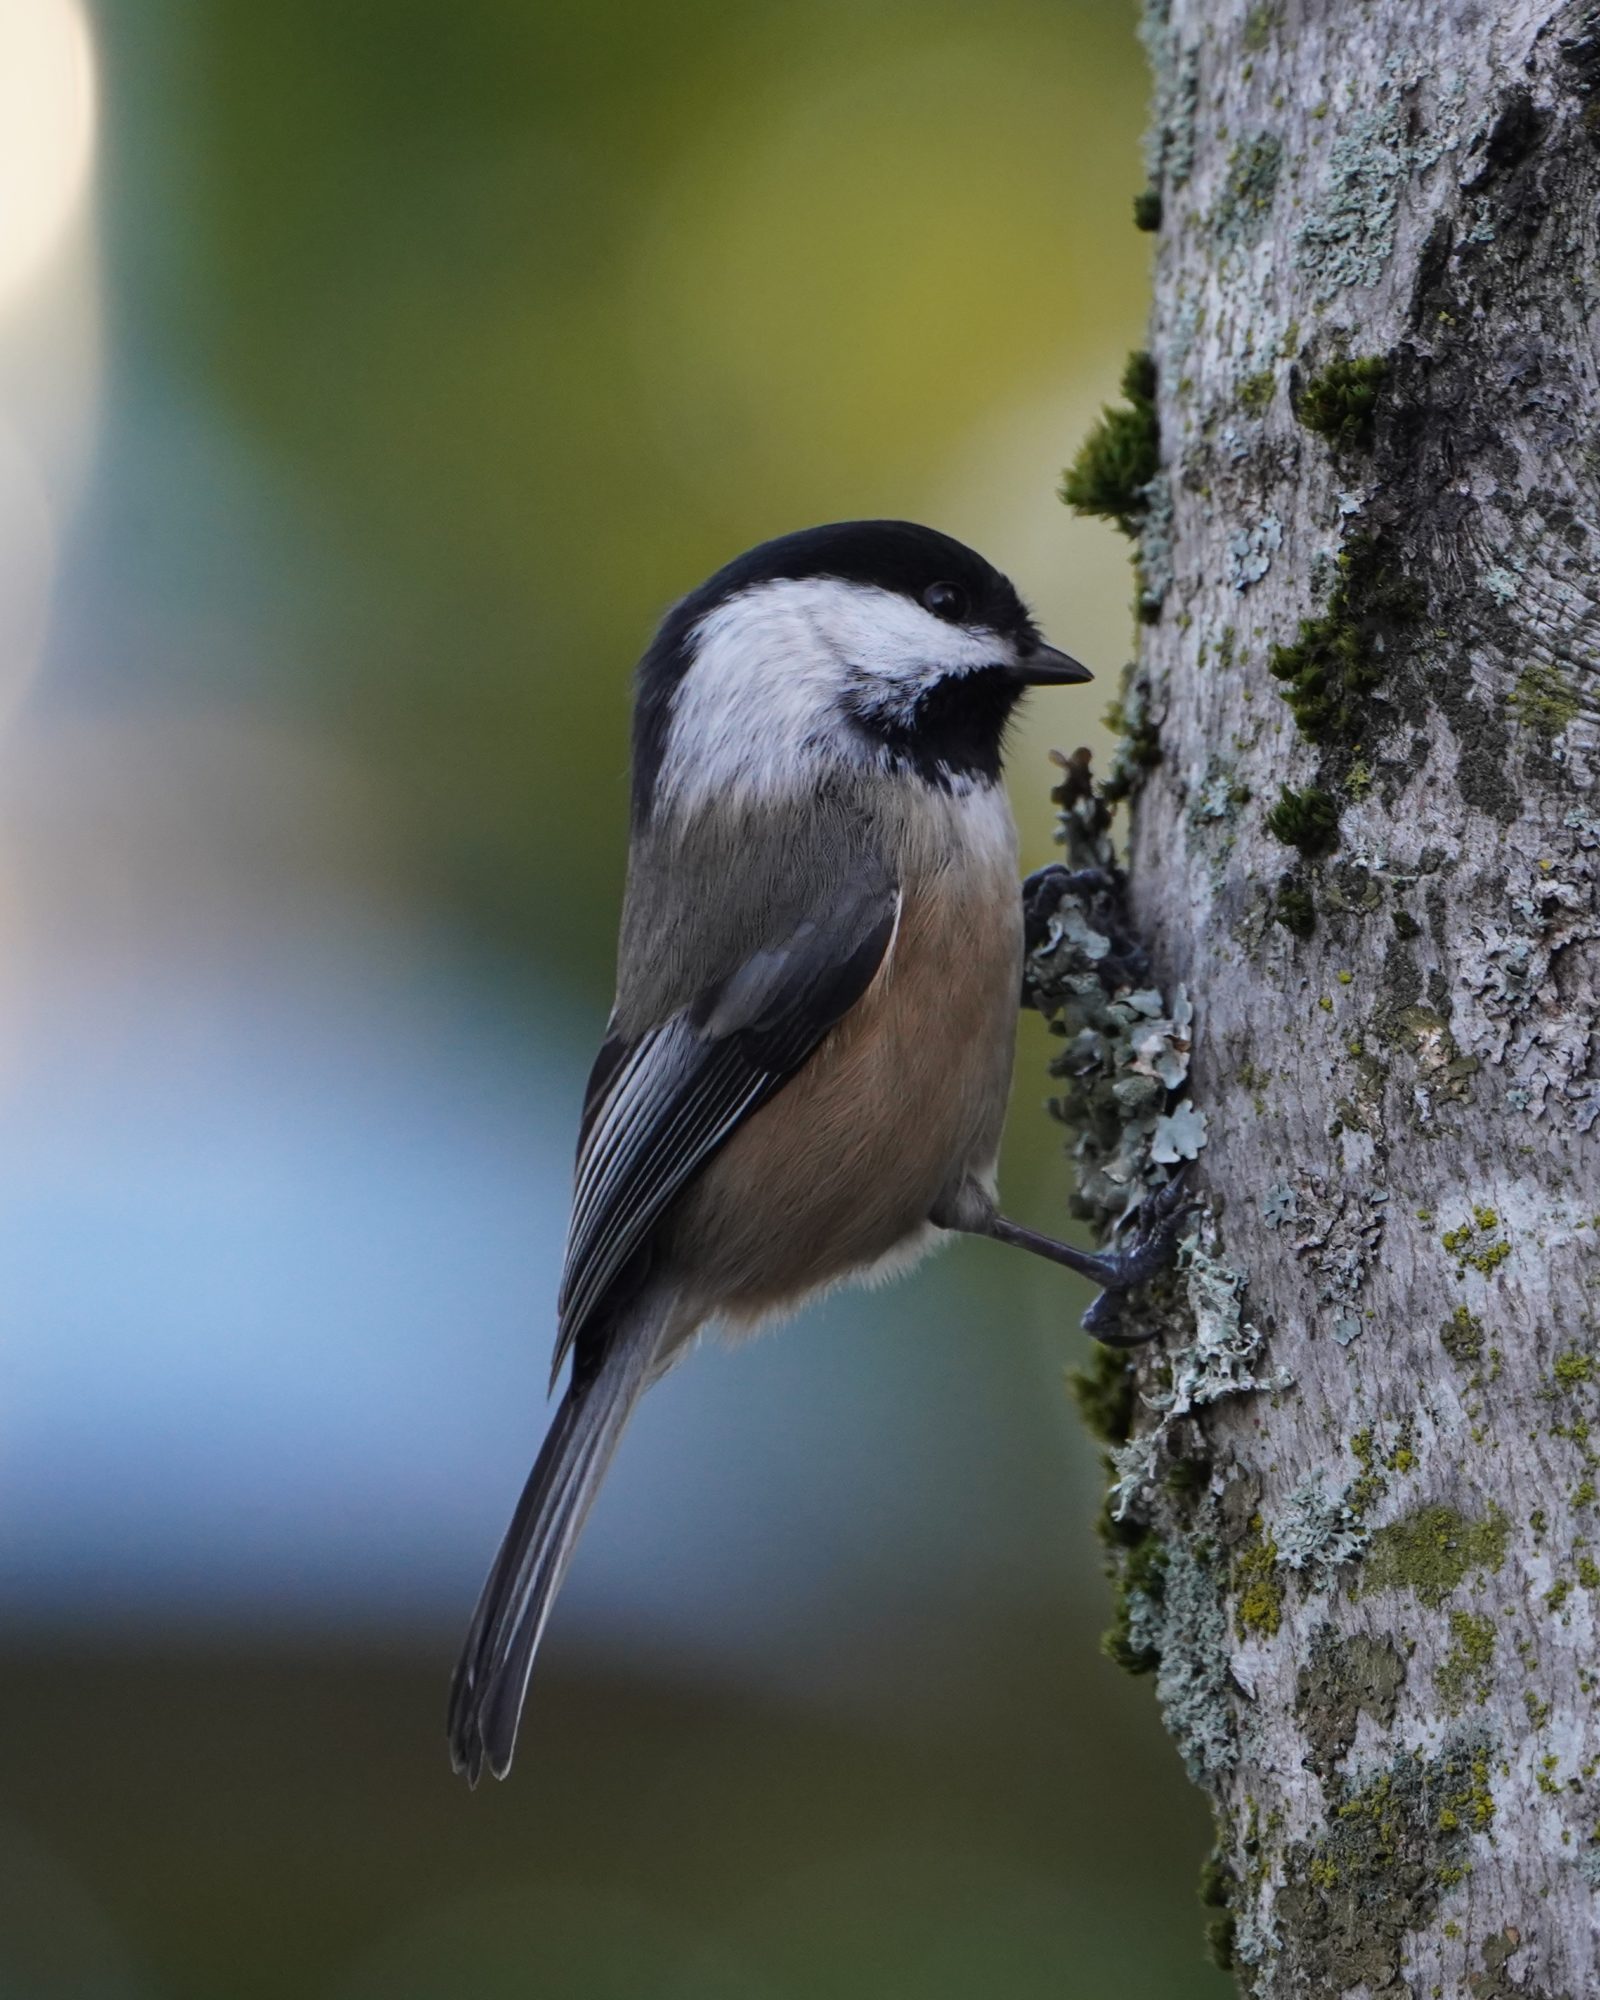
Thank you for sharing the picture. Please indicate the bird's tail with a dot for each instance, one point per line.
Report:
(490, 1682)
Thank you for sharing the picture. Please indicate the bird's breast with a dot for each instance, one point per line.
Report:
(901, 1100)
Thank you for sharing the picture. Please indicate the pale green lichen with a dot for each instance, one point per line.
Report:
(1317, 1532)
(1193, 1687)
(1124, 1062)
(1239, 214)
(1175, 77)
(1219, 1361)
(1348, 233)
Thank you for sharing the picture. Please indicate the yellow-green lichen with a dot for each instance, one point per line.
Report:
(1544, 700)
(1467, 1671)
(1474, 1243)
(1258, 1591)
(1430, 1552)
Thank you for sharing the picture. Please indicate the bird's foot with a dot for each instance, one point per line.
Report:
(1152, 1234)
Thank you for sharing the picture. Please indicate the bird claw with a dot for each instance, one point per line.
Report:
(1153, 1232)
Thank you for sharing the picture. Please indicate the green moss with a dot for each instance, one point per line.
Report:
(1103, 1391)
(1338, 658)
(1462, 1338)
(1589, 1572)
(1293, 907)
(1467, 1671)
(1121, 455)
(1573, 1369)
(1339, 403)
(1217, 1884)
(1430, 1551)
(1256, 391)
(1257, 1590)
(1544, 700)
(1308, 820)
(1147, 209)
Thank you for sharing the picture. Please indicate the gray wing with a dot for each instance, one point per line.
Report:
(658, 1107)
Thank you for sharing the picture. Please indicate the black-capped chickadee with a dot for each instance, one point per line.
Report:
(805, 1072)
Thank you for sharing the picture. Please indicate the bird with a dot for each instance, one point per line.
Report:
(804, 1075)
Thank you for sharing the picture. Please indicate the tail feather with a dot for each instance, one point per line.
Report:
(490, 1682)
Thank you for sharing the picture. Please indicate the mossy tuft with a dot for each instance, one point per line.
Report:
(1337, 658)
(1293, 908)
(1147, 209)
(1308, 820)
(1121, 455)
(1339, 403)
(1103, 1392)
(1217, 1884)
(1461, 1337)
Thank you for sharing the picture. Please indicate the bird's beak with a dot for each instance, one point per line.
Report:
(1045, 667)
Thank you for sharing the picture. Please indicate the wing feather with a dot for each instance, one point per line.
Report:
(657, 1110)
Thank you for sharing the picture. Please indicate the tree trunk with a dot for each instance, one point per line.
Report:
(1353, 1516)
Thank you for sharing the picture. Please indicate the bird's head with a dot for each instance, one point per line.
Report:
(874, 643)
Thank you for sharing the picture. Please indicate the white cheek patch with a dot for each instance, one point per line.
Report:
(765, 700)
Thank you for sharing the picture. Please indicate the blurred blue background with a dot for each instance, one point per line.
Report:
(371, 377)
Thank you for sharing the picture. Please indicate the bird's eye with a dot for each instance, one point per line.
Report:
(947, 601)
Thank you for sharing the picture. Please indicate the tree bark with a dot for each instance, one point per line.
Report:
(1353, 1514)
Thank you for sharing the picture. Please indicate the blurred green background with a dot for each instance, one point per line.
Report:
(371, 377)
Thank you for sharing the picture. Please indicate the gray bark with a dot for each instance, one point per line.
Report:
(1353, 1521)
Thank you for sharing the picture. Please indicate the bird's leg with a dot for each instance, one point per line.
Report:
(1151, 1240)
